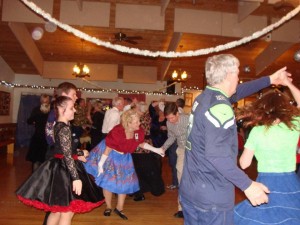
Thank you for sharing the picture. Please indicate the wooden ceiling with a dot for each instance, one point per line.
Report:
(64, 47)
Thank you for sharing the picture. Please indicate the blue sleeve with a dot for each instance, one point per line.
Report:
(248, 88)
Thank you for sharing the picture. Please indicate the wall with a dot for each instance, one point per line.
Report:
(6, 74)
(39, 81)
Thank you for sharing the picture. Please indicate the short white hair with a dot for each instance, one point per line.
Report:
(117, 101)
(218, 66)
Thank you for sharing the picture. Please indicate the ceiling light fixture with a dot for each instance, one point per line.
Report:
(179, 76)
(80, 69)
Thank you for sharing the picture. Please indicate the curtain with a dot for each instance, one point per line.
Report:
(25, 131)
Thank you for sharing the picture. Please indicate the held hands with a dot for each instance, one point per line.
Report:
(83, 157)
(77, 187)
(281, 77)
(257, 193)
(158, 151)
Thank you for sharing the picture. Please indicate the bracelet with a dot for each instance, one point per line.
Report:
(80, 153)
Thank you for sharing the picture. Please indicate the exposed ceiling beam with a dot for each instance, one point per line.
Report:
(164, 4)
(270, 54)
(245, 9)
(276, 48)
(286, 3)
(79, 4)
(23, 36)
(172, 47)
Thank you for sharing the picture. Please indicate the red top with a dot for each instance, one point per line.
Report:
(116, 139)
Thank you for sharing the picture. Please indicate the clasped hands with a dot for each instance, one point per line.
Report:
(158, 151)
(257, 193)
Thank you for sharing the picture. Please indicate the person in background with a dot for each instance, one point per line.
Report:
(172, 151)
(177, 124)
(158, 128)
(146, 163)
(112, 116)
(97, 122)
(210, 171)
(115, 172)
(180, 104)
(61, 185)
(38, 144)
(273, 139)
(127, 104)
(80, 121)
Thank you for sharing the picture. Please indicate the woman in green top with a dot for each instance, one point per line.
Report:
(273, 141)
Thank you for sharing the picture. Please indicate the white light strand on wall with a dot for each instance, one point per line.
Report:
(90, 90)
(165, 54)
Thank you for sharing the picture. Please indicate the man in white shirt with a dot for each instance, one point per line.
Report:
(112, 116)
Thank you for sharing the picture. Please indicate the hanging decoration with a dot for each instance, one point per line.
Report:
(165, 54)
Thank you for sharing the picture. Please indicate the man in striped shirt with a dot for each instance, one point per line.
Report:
(177, 124)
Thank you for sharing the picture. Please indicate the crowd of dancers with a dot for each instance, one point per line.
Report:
(129, 139)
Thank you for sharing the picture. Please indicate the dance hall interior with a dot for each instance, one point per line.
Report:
(139, 57)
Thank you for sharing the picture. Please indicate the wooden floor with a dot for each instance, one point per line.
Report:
(154, 210)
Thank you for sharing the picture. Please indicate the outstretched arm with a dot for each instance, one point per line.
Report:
(251, 87)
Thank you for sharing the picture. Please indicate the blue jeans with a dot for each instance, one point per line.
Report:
(194, 215)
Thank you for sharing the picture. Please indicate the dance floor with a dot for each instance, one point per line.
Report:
(154, 210)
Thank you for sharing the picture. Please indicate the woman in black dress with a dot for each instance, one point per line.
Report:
(61, 185)
(38, 144)
(97, 122)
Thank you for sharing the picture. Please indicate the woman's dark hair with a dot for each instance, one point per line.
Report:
(170, 108)
(61, 101)
(271, 106)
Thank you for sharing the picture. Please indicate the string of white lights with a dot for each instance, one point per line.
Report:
(165, 54)
(95, 90)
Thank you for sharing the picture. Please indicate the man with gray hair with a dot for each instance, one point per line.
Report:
(210, 171)
(112, 116)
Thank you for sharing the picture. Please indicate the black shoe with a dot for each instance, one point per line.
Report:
(138, 198)
(179, 214)
(107, 212)
(120, 214)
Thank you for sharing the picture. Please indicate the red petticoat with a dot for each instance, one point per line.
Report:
(76, 206)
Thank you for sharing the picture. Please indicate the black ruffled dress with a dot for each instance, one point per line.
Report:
(50, 187)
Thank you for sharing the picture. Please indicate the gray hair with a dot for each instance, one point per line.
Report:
(117, 101)
(218, 66)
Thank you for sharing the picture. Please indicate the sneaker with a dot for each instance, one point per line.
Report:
(171, 187)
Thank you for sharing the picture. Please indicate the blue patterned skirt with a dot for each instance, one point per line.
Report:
(283, 207)
(119, 175)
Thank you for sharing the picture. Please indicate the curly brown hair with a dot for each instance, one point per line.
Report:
(272, 105)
